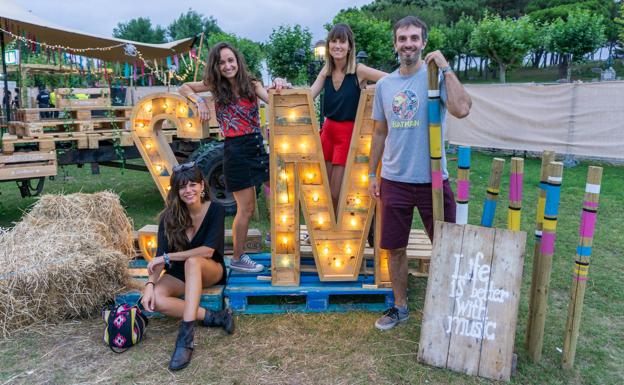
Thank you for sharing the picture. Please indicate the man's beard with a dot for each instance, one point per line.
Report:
(411, 59)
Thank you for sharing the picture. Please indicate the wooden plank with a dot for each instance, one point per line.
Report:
(433, 335)
(466, 337)
(30, 156)
(506, 280)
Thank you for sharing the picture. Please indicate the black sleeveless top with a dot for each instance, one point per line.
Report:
(341, 105)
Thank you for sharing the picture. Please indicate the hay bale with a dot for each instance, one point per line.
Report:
(102, 207)
(65, 259)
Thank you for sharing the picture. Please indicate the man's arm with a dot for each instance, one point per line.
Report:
(377, 148)
(458, 101)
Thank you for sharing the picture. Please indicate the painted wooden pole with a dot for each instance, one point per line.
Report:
(581, 265)
(544, 264)
(198, 56)
(435, 142)
(547, 158)
(489, 206)
(463, 185)
(515, 194)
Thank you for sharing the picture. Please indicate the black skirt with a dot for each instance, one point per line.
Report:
(245, 162)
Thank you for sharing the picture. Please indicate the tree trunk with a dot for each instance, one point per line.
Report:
(466, 61)
(537, 57)
(502, 68)
(480, 67)
(563, 67)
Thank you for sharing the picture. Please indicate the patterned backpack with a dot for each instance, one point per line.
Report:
(125, 326)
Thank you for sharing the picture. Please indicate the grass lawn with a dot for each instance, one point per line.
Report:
(340, 348)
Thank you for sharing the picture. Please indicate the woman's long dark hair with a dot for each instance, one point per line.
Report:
(175, 216)
(219, 86)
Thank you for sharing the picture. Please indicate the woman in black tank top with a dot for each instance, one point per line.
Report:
(341, 79)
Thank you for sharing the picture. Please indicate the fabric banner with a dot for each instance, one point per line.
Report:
(584, 119)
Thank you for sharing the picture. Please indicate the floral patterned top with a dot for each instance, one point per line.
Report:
(240, 118)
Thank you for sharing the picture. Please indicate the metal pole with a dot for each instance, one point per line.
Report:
(7, 105)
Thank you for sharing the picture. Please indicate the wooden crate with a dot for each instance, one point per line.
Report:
(98, 97)
(24, 165)
(34, 115)
(44, 143)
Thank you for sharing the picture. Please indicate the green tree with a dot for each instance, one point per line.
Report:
(191, 24)
(371, 35)
(394, 10)
(619, 22)
(251, 50)
(140, 30)
(436, 40)
(458, 39)
(505, 41)
(580, 34)
(289, 53)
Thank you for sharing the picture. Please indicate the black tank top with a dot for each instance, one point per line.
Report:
(341, 105)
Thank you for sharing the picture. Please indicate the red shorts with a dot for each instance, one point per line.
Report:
(336, 140)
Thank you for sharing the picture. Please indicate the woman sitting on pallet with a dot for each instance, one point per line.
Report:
(190, 248)
(245, 161)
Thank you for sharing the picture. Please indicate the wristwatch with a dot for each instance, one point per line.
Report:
(446, 69)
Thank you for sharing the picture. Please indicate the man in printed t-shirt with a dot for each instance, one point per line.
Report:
(402, 136)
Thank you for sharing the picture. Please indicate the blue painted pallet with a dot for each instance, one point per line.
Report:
(212, 297)
(361, 294)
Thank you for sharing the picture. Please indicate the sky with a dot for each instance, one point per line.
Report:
(253, 19)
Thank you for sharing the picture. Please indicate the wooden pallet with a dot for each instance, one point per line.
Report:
(418, 251)
(253, 244)
(98, 97)
(244, 290)
(24, 165)
(47, 143)
(211, 298)
(40, 115)
(52, 126)
(124, 137)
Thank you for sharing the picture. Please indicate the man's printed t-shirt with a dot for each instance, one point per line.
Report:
(401, 101)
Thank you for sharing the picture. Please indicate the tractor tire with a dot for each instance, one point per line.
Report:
(209, 158)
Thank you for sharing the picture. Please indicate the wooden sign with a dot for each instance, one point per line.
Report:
(471, 306)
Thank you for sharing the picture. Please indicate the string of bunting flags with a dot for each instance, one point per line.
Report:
(136, 70)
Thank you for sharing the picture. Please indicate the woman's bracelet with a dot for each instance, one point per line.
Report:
(167, 260)
(148, 282)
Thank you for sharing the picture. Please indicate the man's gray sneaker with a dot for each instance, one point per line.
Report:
(391, 318)
(246, 264)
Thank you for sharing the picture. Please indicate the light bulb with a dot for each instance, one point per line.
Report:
(292, 116)
(284, 218)
(150, 243)
(315, 197)
(353, 222)
(364, 178)
(283, 175)
(140, 124)
(326, 250)
(189, 124)
(358, 201)
(168, 188)
(285, 262)
(304, 146)
(284, 198)
(310, 176)
(165, 106)
(148, 145)
(285, 240)
(182, 110)
(148, 108)
(285, 146)
(348, 249)
(321, 220)
(337, 263)
(158, 168)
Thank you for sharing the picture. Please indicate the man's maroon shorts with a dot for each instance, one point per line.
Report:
(398, 200)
